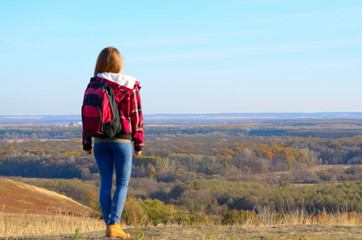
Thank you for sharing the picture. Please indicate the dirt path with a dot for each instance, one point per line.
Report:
(297, 232)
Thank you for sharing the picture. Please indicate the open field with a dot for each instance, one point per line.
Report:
(297, 232)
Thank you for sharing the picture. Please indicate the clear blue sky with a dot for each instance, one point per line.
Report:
(190, 56)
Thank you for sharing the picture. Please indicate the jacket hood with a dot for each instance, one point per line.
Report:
(125, 81)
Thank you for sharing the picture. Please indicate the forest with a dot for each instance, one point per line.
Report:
(199, 173)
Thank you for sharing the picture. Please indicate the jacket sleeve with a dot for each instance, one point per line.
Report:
(136, 119)
(87, 141)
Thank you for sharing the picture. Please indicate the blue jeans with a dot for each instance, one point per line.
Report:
(109, 156)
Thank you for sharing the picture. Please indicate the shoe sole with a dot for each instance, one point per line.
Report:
(115, 236)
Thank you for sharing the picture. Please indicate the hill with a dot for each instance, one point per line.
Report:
(17, 197)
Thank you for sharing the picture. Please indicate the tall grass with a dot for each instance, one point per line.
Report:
(266, 217)
(26, 225)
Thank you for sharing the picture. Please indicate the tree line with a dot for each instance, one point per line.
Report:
(205, 173)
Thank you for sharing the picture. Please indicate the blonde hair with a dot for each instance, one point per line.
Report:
(109, 60)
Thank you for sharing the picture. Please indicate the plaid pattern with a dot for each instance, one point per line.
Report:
(132, 118)
(129, 104)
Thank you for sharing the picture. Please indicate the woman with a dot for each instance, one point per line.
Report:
(117, 152)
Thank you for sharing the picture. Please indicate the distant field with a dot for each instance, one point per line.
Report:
(182, 119)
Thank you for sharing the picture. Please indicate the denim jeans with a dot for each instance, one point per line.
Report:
(111, 155)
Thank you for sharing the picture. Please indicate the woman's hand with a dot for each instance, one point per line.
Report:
(88, 151)
(138, 153)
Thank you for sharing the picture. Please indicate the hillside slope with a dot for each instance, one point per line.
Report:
(17, 197)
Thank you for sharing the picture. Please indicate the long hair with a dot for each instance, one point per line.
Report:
(109, 60)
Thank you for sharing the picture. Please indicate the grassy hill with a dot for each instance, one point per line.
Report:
(26, 210)
(18, 197)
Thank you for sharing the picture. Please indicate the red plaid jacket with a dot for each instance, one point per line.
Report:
(129, 106)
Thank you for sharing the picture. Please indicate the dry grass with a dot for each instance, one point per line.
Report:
(277, 232)
(26, 211)
(25, 225)
(267, 226)
(339, 219)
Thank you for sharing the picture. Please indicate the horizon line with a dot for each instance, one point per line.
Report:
(335, 112)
